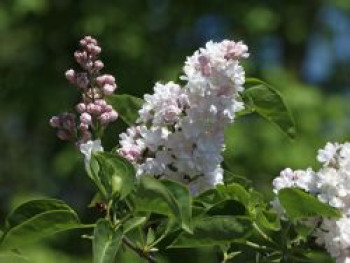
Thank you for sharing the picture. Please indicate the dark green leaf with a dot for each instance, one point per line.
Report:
(318, 257)
(127, 107)
(184, 200)
(263, 99)
(215, 230)
(234, 191)
(227, 207)
(38, 219)
(106, 242)
(299, 204)
(133, 223)
(154, 196)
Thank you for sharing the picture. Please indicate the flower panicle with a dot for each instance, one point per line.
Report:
(93, 113)
(331, 185)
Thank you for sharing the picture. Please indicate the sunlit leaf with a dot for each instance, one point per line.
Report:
(299, 204)
(114, 173)
(133, 223)
(263, 99)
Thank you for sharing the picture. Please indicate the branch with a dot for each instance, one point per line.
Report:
(139, 251)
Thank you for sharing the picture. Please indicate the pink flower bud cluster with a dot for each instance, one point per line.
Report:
(94, 113)
(66, 126)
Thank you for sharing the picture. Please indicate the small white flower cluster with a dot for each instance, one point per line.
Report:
(180, 130)
(331, 184)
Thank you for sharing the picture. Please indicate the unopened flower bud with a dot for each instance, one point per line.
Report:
(104, 118)
(83, 127)
(63, 135)
(108, 108)
(82, 80)
(113, 115)
(70, 75)
(68, 123)
(100, 80)
(55, 122)
(101, 102)
(81, 107)
(108, 89)
(109, 79)
(98, 65)
(86, 118)
(97, 50)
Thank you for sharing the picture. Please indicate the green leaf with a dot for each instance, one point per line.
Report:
(115, 174)
(106, 242)
(319, 257)
(224, 195)
(268, 219)
(215, 230)
(32, 208)
(234, 191)
(299, 204)
(38, 219)
(11, 257)
(184, 200)
(156, 196)
(127, 107)
(210, 198)
(263, 99)
(230, 177)
(133, 223)
(151, 236)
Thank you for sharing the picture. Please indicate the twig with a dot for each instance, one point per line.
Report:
(139, 251)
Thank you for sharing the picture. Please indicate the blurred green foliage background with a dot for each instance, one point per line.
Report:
(301, 47)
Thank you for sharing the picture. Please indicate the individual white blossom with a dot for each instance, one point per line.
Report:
(181, 129)
(328, 154)
(90, 147)
(331, 185)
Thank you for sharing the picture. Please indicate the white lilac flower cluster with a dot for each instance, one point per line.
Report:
(180, 130)
(331, 184)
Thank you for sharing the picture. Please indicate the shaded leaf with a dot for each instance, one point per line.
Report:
(133, 223)
(215, 230)
(38, 219)
(127, 107)
(184, 200)
(106, 242)
(154, 196)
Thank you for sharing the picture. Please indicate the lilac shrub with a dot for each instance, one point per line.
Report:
(163, 186)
